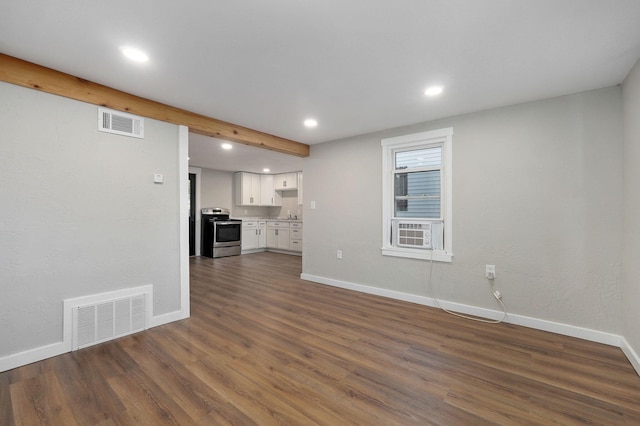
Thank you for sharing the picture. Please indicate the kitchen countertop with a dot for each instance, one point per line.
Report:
(270, 219)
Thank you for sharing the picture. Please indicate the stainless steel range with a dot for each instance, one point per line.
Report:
(221, 236)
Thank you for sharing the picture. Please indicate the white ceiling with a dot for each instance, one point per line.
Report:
(357, 66)
(207, 152)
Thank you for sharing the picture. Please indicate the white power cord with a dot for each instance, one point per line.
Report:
(496, 294)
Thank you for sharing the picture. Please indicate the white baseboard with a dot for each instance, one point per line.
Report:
(538, 324)
(251, 251)
(38, 354)
(272, 250)
(167, 318)
(19, 359)
(631, 354)
(566, 329)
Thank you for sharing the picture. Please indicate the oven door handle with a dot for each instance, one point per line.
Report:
(224, 222)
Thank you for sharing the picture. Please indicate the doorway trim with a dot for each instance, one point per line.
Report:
(183, 187)
(198, 172)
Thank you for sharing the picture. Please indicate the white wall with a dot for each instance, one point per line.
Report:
(218, 191)
(289, 204)
(631, 230)
(80, 213)
(537, 191)
(217, 188)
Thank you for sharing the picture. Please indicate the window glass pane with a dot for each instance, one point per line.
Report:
(417, 195)
(418, 184)
(428, 157)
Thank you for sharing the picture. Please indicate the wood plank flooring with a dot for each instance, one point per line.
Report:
(263, 347)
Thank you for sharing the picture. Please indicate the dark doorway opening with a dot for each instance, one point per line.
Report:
(192, 214)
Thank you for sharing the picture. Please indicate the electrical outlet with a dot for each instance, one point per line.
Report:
(339, 254)
(490, 272)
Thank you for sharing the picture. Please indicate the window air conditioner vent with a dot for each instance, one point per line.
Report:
(413, 234)
(120, 123)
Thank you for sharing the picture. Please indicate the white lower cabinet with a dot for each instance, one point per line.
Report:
(254, 235)
(262, 234)
(295, 236)
(270, 234)
(278, 235)
(249, 235)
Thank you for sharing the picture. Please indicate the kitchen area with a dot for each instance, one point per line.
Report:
(266, 214)
(281, 228)
(255, 197)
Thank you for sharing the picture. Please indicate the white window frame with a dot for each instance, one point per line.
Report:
(441, 137)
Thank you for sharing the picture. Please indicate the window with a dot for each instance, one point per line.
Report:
(416, 198)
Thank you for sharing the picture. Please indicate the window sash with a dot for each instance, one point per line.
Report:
(418, 159)
(417, 193)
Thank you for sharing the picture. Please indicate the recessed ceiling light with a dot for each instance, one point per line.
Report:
(310, 122)
(134, 54)
(226, 146)
(434, 90)
(266, 170)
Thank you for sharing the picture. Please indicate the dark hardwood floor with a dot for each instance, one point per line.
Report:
(264, 347)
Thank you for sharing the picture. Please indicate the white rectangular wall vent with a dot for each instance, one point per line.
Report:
(120, 123)
(108, 319)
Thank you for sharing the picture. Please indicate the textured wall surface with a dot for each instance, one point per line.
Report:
(537, 191)
(631, 234)
(217, 189)
(79, 213)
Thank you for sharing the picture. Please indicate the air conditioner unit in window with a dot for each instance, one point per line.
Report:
(419, 234)
(413, 234)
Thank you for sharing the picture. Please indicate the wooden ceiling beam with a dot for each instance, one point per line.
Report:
(27, 74)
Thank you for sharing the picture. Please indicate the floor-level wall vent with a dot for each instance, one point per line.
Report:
(107, 317)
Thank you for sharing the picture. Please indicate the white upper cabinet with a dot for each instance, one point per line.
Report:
(268, 194)
(286, 181)
(253, 189)
(248, 189)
